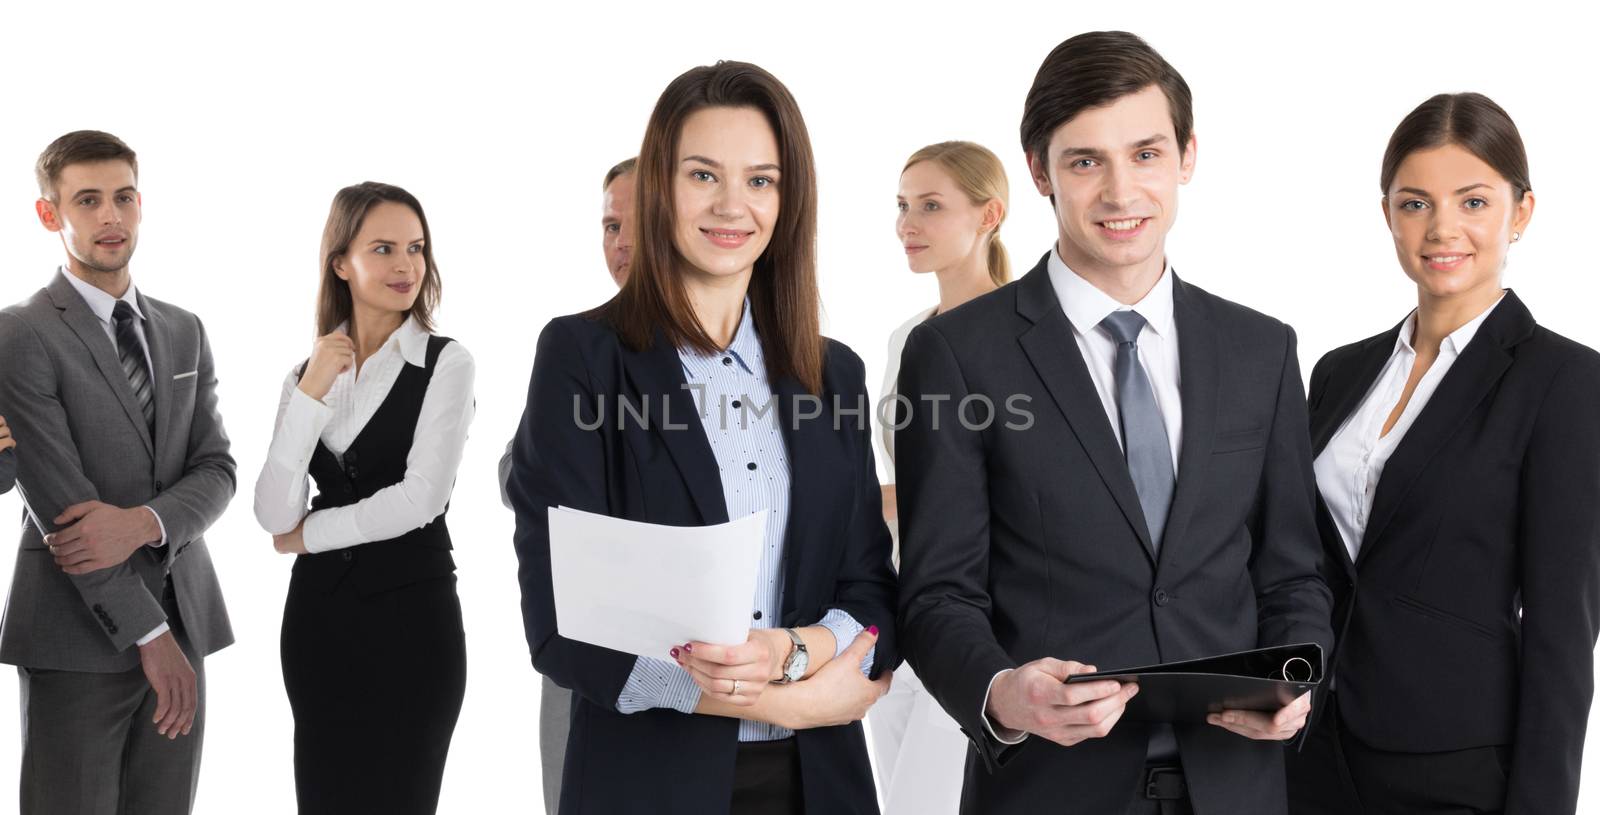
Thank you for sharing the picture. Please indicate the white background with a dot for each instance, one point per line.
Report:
(247, 118)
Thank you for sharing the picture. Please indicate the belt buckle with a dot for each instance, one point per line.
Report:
(1164, 784)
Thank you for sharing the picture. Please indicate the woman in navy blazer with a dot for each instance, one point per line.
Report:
(704, 391)
(1458, 461)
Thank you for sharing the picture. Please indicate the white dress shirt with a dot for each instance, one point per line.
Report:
(1350, 466)
(441, 436)
(1085, 307)
(102, 305)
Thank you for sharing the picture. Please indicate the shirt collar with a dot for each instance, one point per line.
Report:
(101, 303)
(1457, 339)
(410, 338)
(1086, 306)
(745, 349)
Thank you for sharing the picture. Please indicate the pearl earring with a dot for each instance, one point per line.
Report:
(1516, 236)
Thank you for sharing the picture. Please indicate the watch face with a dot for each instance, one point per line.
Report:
(796, 669)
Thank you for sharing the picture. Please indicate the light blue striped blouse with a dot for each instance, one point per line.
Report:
(733, 394)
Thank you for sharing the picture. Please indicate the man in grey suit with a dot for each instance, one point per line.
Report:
(114, 602)
(555, 702)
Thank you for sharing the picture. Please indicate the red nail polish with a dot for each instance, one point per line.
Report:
(674, 653)
(873, 630)
(688, 648)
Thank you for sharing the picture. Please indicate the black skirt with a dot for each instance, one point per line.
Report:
(376, 685)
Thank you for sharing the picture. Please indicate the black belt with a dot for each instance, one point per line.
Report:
(1164, 782)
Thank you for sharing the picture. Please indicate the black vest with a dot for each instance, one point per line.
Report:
(377, 459)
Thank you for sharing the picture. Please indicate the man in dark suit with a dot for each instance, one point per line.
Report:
(1155, 504)
(114, 602)
(555, 702)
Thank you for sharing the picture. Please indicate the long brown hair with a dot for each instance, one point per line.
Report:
(783, 287)
(982, 178)
(349, 210)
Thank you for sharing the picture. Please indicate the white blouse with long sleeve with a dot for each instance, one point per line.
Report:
(282, 491)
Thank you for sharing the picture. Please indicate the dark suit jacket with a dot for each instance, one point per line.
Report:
(1489, 506)
(1022, 544)
(836, 555)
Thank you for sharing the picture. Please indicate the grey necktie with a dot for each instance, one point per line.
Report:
(1144, 432)
(1149, 453)
(131, 353)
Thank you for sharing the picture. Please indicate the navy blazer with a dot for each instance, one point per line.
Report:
(1470, 614)
(836, 555)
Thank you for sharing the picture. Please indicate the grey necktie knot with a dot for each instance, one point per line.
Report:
(122, 312)
(1124, 326)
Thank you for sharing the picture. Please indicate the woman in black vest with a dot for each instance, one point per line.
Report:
(374, 657)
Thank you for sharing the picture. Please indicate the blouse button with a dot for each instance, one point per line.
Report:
(727, 360)
(750, 466)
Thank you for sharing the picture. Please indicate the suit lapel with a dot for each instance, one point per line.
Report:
(801, 438)
(1198, 363)
(1053, 351)
(1349, 386)
(92, 333)
(657, 373)
(158, 336)
(1463, 388)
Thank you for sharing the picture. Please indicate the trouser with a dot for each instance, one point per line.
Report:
(555, 722)
(89, 746)
(766, 779)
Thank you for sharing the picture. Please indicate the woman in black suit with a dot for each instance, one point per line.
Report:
(1458, 461)
(714, 340)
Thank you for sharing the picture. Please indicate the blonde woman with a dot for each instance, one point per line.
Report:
(952, 200)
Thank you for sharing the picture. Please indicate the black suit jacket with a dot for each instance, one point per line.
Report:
(1018, 544)
(1489, 506)
(836, 555)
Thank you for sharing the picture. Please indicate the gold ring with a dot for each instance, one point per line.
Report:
(735, 688)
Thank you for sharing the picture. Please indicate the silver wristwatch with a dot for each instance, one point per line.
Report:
(794, 667)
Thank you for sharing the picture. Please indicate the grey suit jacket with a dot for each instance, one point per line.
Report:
(81, 436)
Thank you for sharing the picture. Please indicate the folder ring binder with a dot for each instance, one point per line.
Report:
(1297, 669)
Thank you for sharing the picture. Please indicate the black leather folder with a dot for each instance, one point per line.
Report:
(1265, 679)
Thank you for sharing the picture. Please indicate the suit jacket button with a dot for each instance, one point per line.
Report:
(158, 486)
(348, 555)
(1162, 598)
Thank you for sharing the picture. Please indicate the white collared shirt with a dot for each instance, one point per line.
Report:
(102, 305)
(1349, 468)
(441, 436)
(1086, 306)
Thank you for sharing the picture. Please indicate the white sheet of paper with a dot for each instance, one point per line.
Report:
(643, 588)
